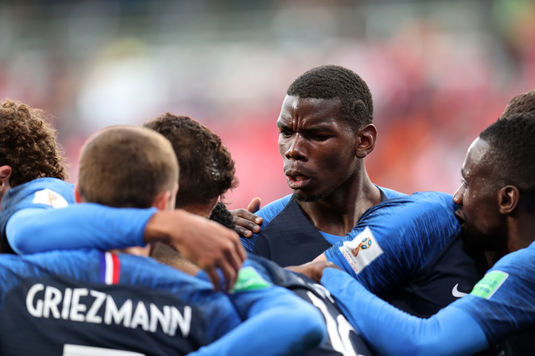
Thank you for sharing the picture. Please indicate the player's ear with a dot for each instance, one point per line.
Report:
(5, 174)
(162, 200)
(508, 197)
(365, 140)
(77, 196)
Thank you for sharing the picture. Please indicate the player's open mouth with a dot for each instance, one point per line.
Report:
(297, 181)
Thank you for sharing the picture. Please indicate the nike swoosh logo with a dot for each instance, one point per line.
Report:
(456, 293)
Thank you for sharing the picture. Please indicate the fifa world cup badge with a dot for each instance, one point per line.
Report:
(362, 250)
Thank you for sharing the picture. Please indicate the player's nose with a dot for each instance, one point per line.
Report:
(295, 148)
(458, 195)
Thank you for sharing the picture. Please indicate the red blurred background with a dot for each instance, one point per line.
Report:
(439, 72)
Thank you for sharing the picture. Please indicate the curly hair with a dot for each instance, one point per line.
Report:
(522, 103)
(206, 167)
(513, 149)
(329, 82)
(28, 144)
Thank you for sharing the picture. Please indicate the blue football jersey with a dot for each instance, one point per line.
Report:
(409, 251)
(86, 302)
(288, 237)
(41, 193)
(60, 301)
(342, 338)
(503, 302)
(498, 316)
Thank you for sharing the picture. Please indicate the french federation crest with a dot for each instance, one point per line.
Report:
(361, 251)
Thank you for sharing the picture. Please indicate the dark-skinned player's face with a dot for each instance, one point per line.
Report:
(317, 146)
(478, 198)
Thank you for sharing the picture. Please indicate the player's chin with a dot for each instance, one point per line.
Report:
(474, 241)
(304, 196)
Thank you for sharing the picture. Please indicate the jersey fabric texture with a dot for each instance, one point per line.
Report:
(500, 310)
(41, 193)
(32, 210)
(44, 300)
(81, 299)
(288, 237)
(391, 331)
(503, 302)
(342, 338)
(409, 251)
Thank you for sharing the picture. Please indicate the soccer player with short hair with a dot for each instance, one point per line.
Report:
(31, 183)
(212, 173)
(405, 248)
(498, 212)
(58, 301)
(206, 167)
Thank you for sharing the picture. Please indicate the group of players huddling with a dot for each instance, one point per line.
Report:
(139, 257)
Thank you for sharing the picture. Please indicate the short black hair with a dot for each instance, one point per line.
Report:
(513, 149)
(206, 167)
(222, 215)
(331, 81)
(523, 103)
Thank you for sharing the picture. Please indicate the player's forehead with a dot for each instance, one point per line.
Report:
(477, 158)
(310, 112)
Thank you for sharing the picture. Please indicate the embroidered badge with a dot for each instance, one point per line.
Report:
(249, 280)
(49, 197)
(361, 251)
(490, 283)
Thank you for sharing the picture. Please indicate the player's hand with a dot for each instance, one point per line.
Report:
(207, 244)
(313, 270)
(246, 222)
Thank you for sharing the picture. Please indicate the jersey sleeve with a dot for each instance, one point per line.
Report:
(215, 307)
(391, 331)
(275, 320)
(267, 213)
(503, 301)
(395, 239)
(40, 194)
(84, 225)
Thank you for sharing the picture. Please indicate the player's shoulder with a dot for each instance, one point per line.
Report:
(46, 191)
(520, 262)
(46, 183)
(416, 205)
(76, 263)
(271, 210)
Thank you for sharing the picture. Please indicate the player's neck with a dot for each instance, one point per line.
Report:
(338, 213)
(520, 231)
(171, 257)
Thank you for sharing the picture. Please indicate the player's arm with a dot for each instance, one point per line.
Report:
(205, 243)
(392, 332)
(77, 226)
(401, 240)
(276, 321)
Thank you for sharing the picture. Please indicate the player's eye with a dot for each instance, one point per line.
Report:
(321, 137)
(285, 132)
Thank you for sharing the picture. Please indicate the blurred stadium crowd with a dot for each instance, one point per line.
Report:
(439, 72)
